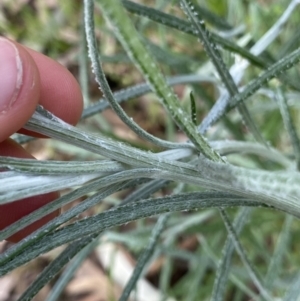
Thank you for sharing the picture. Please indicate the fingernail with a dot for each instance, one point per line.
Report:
(11, 73)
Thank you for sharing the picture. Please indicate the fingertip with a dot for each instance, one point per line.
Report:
(60, 92)
(19, 79)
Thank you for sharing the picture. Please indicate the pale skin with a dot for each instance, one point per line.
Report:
(44, 82)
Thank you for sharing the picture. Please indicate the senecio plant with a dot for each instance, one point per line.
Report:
(217, 167)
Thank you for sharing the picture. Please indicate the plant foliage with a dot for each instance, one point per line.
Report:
(229, 160)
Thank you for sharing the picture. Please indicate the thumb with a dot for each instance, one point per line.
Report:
(19, 87)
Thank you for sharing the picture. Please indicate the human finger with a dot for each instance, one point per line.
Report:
(19, 87)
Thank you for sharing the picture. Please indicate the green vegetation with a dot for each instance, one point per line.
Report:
(231, 181)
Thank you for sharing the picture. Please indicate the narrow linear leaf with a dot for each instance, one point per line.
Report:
(54, 267)
(59, 167)
(222, 274)
(281, 248)
(184, 26)
(129, 93)
(289, 125)
(212, 18)
(276, 70)
(242, 253)
(122, 215)
(72, 267)
(103, 84)
(129, 38)
(278, 189)
(292, 293)
(141, 89)
(145, 256)
(20, 186)
(58, 221)
(216, 58)
(52, 206)
(145, 190)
